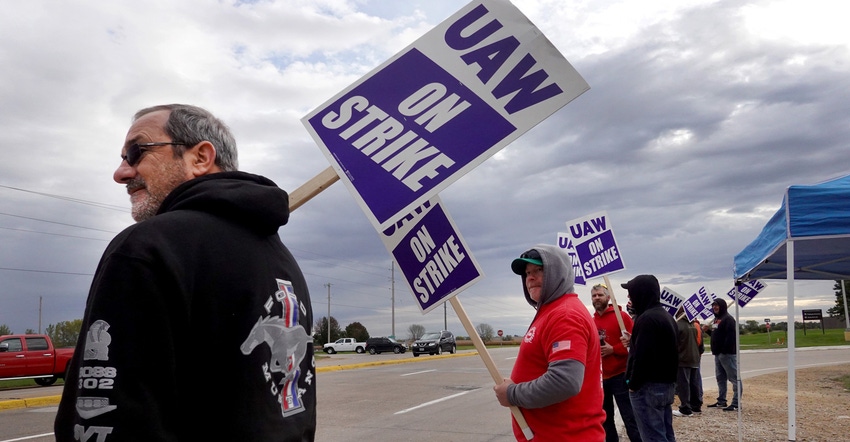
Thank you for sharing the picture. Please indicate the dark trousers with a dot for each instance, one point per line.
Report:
(689, 389)
(615, 390)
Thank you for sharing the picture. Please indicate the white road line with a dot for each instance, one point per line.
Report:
(429, 403)
(28, 437)
(418, 372)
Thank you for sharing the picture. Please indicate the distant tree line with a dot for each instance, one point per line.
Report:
(63, 334)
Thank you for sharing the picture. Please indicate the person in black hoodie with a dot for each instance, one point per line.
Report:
(724, 349)
(197, 321)
(653, 361)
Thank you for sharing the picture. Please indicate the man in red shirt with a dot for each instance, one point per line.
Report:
(614, 357)
(557, 377)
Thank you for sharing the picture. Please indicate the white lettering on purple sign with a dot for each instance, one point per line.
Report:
(437, 266)
(409, 157)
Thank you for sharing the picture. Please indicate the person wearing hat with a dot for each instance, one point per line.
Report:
(557, 376)
(653, 363)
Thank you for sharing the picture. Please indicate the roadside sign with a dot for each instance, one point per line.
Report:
(595, 245)
(432, 255)
(440, 107)
(499, 333)
(813, 315)
(767, 320)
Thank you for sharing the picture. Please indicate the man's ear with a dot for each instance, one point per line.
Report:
(201, 159)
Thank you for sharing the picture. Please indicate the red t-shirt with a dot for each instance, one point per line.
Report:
(563, 330)
(615, 363)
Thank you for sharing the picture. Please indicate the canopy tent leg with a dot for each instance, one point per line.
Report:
(792, 371)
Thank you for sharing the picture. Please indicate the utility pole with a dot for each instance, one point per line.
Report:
(329, 311)
(392, 292)
(39, 315)
(445, 320)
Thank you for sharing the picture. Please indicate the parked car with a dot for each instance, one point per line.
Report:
(434, 343)
(378, 345)
(33, 356)
(344, 344)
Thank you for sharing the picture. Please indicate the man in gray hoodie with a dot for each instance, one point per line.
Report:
(557, 377)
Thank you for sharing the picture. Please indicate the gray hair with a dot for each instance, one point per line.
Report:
(192, 125)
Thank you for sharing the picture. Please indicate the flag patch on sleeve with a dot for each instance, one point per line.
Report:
(560, 345)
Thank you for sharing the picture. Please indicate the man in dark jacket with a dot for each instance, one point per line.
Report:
(653, 361)
(723, 347)
(197, 322)
(687, 383)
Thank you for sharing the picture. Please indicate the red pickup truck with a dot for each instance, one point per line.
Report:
(32, 357)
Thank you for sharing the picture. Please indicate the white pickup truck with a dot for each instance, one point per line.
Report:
(344, 344)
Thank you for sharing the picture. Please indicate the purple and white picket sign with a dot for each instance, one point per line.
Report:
(595, 245)
(566, 243)
(746, 291)
(440, 107)
(693, 307)
(706, 298)
(431, 254)
(670, 300)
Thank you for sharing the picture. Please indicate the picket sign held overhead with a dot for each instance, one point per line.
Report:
(670, 300)
(432, 255)
(440, 107)
(565, 242)
(427, 116)
(746, 291)
(592, 239)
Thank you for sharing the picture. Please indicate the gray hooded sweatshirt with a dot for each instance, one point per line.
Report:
(563, 379)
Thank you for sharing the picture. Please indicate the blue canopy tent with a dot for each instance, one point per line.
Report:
(808, 238)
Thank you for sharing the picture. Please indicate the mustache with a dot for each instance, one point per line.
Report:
(136, 184)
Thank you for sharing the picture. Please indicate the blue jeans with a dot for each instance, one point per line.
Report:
(615, 390)
(726, 368)
(653, 411)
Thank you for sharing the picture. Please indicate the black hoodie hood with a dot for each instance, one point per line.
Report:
(558, 276)
(247, 199)
(644, 292)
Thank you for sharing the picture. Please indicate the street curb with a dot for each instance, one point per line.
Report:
(30, 402)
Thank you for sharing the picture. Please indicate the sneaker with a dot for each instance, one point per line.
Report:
(696, 411)
(717, 405)
(678, 413)
(731, 408)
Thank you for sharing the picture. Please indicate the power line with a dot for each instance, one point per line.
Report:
(67, 198)
(57, 222)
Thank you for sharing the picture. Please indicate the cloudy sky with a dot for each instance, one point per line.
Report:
(700, 114)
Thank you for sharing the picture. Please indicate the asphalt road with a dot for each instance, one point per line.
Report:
(428, 398)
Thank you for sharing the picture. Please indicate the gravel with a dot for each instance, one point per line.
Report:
(822, 411)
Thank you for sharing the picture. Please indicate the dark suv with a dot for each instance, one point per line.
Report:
(378, 345)
(434, 343)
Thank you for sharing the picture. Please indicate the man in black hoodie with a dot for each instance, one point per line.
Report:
(723, 347)
(197, 321)
(653, 361)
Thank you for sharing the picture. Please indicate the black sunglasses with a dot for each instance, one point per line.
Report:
(135, 151)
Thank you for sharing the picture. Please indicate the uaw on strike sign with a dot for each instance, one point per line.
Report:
(432, 255)
(440, 107)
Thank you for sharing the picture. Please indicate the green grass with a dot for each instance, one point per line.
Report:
(22, 383)
(812, 338)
